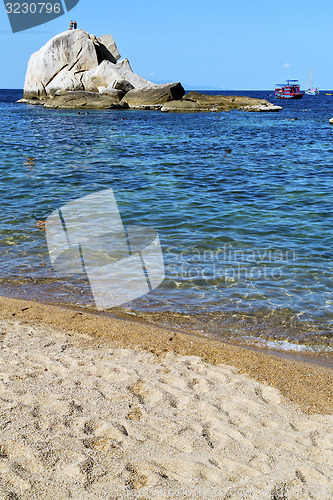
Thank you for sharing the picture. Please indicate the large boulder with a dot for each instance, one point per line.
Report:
(105, 74)
(127, 73)
(153, 96)
(195, 102)
(86, 100)
(109, 75)
(61, 64)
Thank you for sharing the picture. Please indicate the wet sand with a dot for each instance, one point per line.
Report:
(305, 384)
(100, 407)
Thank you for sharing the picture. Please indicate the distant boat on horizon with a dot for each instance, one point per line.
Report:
(311, 90)
(289, 90)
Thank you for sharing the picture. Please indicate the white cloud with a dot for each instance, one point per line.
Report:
(287, 65)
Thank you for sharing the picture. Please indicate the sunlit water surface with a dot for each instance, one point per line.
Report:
(242, 202)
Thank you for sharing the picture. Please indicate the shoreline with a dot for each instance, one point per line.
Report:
(283, 339)
(176, 322)
(306, 384)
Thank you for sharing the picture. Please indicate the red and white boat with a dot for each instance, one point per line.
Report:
(290, 90)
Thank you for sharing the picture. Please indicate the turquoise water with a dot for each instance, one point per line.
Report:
(242, 203)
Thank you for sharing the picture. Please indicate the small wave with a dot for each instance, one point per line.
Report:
(284, 345)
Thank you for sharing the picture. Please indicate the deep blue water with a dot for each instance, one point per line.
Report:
(242, 202)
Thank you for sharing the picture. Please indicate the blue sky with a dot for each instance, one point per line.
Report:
(239, 45)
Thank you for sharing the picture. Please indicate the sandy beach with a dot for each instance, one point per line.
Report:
(96, 407)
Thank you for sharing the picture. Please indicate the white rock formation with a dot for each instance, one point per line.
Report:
(61, 64)
(74, 61)
(118, 75)
(127, 73)
(77, 70)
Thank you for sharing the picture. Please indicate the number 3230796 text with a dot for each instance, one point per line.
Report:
(33, 8)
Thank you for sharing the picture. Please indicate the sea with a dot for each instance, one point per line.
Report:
(242, 203)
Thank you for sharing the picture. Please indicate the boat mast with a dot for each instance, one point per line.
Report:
(310, 79)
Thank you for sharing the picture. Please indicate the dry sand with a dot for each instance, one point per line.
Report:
(94, 407)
